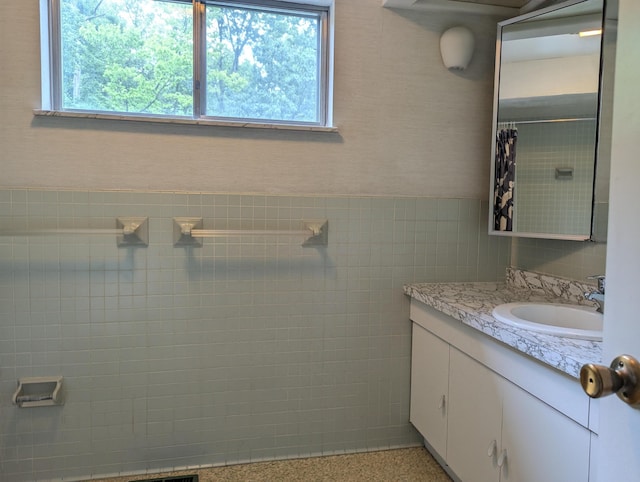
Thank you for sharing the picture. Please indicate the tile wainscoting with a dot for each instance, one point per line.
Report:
(248, 348)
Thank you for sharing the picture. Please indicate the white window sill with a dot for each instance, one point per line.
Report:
(182, 121)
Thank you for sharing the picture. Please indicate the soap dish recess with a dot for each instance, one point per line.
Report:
(38, 392)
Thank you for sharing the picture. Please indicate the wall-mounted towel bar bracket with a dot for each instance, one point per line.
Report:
(182, 229)
(188, 232)
(319, 232)
(135, 231)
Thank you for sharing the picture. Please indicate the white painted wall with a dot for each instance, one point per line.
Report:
(546, 77)
(407, 125)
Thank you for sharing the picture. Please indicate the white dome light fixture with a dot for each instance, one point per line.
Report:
(456, 47)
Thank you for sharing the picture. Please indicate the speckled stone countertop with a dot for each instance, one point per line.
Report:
(473, 303)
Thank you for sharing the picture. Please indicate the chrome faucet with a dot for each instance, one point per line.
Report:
(597, 295)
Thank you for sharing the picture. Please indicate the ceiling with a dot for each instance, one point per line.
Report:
(491, 7)
(501, 3)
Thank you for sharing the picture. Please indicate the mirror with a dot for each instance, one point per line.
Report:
(547, 123)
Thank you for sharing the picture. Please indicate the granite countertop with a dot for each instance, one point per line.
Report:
(473, 303)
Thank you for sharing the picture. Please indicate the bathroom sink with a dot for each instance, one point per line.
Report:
(572, 321)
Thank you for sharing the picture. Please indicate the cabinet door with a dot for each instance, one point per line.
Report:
(475, 419)
(429, 387)
(541, 443)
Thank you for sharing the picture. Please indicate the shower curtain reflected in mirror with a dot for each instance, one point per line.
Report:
(505, 178)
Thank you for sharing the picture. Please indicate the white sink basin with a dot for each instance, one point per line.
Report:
(572, 321)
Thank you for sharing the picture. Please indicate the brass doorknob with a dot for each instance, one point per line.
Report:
(621, 378)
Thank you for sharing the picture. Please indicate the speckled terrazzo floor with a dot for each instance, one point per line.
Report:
(412, 464)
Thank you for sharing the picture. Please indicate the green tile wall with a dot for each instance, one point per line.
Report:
(248, 348)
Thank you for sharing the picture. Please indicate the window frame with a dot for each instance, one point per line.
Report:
(51, 70)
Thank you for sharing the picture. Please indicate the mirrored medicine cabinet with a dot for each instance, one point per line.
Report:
(552, 122)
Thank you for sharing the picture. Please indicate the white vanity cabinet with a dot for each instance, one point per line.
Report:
(540, 442)
(429, 386)
(490, 413)
(499, 432)
(475, 420)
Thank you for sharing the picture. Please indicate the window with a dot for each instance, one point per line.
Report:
(265, 62)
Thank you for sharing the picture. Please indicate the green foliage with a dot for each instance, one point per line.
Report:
(127, 56)
(136, 56)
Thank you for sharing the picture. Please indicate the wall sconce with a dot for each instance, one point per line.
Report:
(456, 47)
